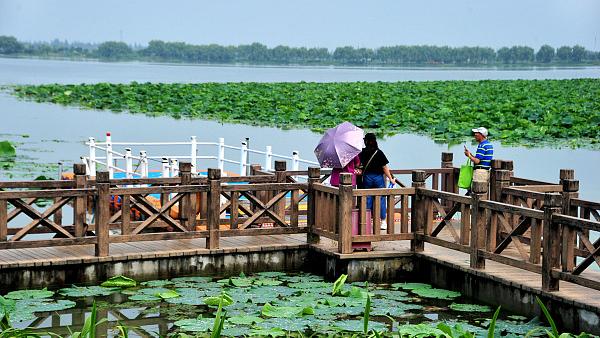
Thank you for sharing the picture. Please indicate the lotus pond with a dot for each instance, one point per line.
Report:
(265, 304)
(518, 112)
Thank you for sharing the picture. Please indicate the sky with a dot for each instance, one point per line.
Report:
(311, 23)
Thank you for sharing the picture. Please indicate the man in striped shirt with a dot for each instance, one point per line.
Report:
(483, 156)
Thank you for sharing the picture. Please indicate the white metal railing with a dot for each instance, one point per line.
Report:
(124, 161)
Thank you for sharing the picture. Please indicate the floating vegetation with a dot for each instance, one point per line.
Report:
(119, 281)
(470, 307)
(7, 149)
(200, 306)
(516, 112)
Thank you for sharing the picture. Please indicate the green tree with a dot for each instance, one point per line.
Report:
(505, 55)
(564, 53)
(545, 54)
(10, 45)
(578, 53)
(113, 50)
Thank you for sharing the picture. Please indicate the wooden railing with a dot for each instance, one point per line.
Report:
(536, 226)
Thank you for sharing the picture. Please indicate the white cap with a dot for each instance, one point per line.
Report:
(482, 130)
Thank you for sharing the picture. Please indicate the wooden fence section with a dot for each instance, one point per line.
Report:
(533, 225)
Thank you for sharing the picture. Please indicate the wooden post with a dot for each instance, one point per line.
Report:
(314, 175)
(478, 193)
(3, 220)
(280, 175)
(262, 196)
(570, 190)
(80, 203)
(418, 212)
(345, 214)
(496, 165)
(214, 207)
(551, 255)
(447, 180)
(187, 205)
(102, 213)
(501, 180)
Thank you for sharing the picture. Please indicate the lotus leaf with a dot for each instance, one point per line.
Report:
(168, 294)
(191, 279)
(43, 305)
(87, 291)
(119, 281)
(339, 284)
(411, 286)
(271, 274)
(144, 298)
(273, 332)
(236, 331)
(269, 310)
(470, 307)
(195, 325)
(437, 293)
(156, 283)
(244, 320)
(357, 325)
(419, 331)
(7, 149)
(29, 294)
(391, 294)
(309, 285)
(267, 282)
(289, 324)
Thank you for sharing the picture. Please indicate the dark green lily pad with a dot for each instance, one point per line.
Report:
(470, 307)
(29, 294)
(156, 283)
(354, 325)
(119, 281)
(437, 293)
(269, 310)
(244, 320)
(195, 325)
(87, 291)
(411, 286)
(271, 274)
(7, 149)
(419, 331)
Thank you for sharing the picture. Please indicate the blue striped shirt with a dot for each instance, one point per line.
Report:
(485, 154)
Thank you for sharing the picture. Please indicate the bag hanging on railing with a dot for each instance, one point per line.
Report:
(466, 175)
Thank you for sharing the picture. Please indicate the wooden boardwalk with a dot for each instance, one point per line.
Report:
(84, 254)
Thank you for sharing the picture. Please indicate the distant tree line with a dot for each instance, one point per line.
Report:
(257, 53)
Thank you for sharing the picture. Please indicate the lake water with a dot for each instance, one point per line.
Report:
(56, 133)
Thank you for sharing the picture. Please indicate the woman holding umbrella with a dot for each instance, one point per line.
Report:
(374, 169)
(338, 149)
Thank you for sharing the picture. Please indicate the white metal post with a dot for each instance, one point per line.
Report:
(243, 158)
(60, 170)
(109, 156)
(174, 168)
(92, 158)
(295, 160)
(194, 153)
(269, 158)
(221, 154)
(87, 165)
(144, 163)
(128, 163)
(165, 167)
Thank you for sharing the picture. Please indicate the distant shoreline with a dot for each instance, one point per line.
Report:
(400, 66)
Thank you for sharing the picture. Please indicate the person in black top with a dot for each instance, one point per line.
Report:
(374, 169)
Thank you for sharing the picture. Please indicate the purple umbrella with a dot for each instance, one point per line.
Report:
(339, 145)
